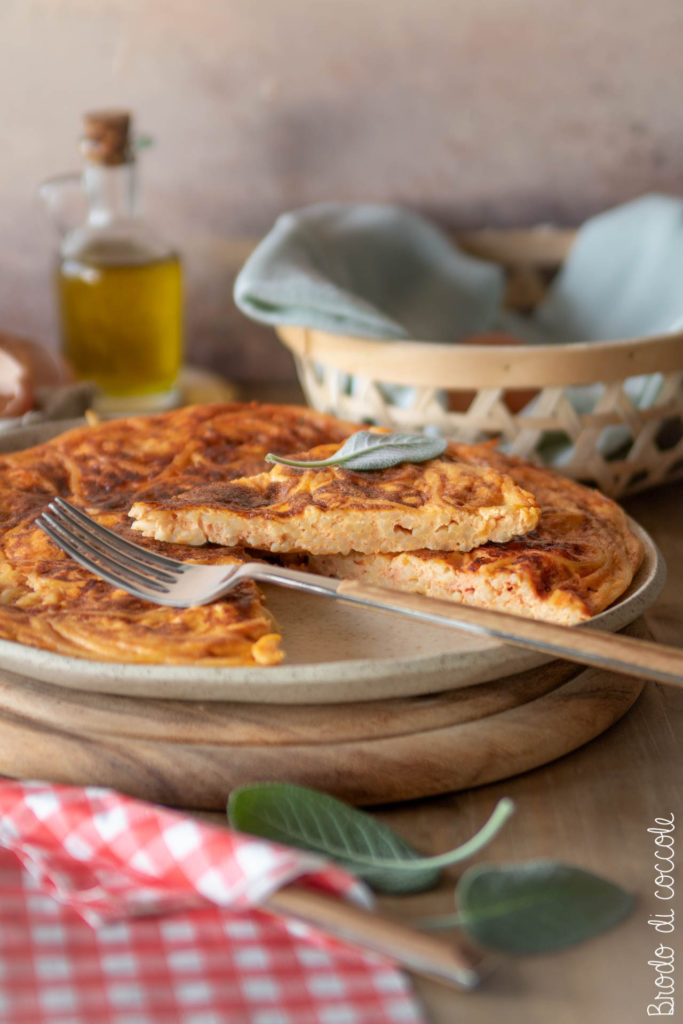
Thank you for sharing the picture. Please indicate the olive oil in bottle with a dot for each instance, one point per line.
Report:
(119, 286)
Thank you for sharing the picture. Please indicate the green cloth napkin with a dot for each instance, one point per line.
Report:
(370, 270)
(623, 277)
(380, 271)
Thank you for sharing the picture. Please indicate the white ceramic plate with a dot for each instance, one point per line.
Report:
(335, 652)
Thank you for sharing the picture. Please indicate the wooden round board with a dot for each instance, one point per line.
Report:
(190, 754)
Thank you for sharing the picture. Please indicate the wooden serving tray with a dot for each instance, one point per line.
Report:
(190, 754)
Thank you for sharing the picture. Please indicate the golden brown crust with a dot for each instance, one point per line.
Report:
(580, 558)
(48, 601)
(442, 504)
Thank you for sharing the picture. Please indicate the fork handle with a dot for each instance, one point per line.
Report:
(587, 646)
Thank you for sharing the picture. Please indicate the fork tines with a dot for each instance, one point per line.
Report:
(99, 549)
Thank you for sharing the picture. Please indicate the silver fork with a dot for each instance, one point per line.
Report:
(166, 581)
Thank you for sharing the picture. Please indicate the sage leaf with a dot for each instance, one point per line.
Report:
(537, 906)
(310, 820)
(366, 450)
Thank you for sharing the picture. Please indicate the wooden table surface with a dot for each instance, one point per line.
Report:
(591, 808)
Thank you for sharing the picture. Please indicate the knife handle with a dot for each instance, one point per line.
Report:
(432, 957)
(626, 654)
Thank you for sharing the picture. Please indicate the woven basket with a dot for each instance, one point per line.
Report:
(469, 393)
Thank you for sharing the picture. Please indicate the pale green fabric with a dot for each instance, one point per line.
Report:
(381, 271)
(370, 270)
(623, 277)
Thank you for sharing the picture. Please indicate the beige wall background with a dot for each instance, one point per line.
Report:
(475, 112)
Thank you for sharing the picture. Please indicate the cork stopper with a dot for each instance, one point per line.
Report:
(106, 137)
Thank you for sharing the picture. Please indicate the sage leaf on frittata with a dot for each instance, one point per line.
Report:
(366, 450)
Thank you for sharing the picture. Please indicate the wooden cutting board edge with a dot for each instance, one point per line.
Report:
(366, 771)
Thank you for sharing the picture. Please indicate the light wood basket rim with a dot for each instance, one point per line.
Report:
(449, 364)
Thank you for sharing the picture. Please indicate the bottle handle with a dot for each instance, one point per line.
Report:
(52, 193)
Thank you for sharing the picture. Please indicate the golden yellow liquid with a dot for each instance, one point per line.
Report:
(121, 323)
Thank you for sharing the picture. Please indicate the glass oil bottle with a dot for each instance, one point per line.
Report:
(119, 286)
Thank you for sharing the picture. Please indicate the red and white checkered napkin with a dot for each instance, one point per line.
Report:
(173, 932)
